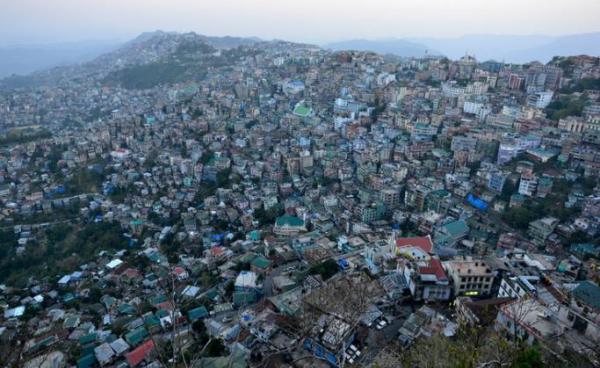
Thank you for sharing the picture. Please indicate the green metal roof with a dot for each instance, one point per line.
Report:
(86, 361)
(136, 336)
(86, 339)
(588, 293)
(151, 321)
(289, 221)
(254, 235)
(197, 313)
(157, 299)
(261, 262)
(302, 110)
(243, 297)
(457, 228)
(126, 309)
(585, 248)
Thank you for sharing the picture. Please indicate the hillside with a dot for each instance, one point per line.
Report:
(397, 47)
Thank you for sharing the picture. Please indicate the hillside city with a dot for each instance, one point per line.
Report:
(193, 201)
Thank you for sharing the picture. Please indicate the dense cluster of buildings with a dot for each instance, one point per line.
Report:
(303, 205)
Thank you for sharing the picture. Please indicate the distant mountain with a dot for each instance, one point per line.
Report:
(229, 42)
(581, 44)
(397, 47)
(150, 59)
(25, 59)
(515, 49)
(484, 47)
(224, 42)
(512, 49)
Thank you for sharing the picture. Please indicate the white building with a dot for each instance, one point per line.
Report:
(528, 185)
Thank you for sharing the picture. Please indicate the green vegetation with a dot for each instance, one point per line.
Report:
(478, 347)
(520, 217)
(565, 106)
(19, 136)
(266, 217)
(215, 348)
(67, 212)
(63, 250)
(148, 75)
(326, 269)
(19, 81)
(8, 240)
(585, 84)
(84, 181)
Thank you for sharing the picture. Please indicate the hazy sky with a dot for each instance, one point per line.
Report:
(42, 21)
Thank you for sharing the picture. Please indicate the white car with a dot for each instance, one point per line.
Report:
(381, 324)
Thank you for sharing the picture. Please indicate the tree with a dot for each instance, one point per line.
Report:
(518, 217)
(215, 348)
(326, 269)
(529, 357)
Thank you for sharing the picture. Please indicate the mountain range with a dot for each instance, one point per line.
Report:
(511, 49)
(25, 59)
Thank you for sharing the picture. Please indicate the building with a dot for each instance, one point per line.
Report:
(463, 143)
(506, 152)
(427, 280)
(288, 225)
(478, 312)
(373, 212)
(540, 100)
(528, 185)
(518, 286)
(540, 230)
(415, 248)
(390, 197)
(451, 233)
(470, 277)
(572, 123)
(496, 181)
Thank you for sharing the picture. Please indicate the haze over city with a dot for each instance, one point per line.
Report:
(35, 21)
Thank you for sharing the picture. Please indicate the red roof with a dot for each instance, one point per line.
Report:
(179, 271)
(136, 356)
(434, 268)
(217, 251)
(131, 273)
(423, 242)
(167, 306)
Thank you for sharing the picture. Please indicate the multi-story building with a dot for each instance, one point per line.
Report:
(518, 286)
(528, 185)
(470, 276)
(390, 197)
(496, 181)
(572, 124)
(463, 143)
(539, 230)
(540, 100)
(426, 280)
(287, 225)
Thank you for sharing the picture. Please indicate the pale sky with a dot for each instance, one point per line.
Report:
(317, 21)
